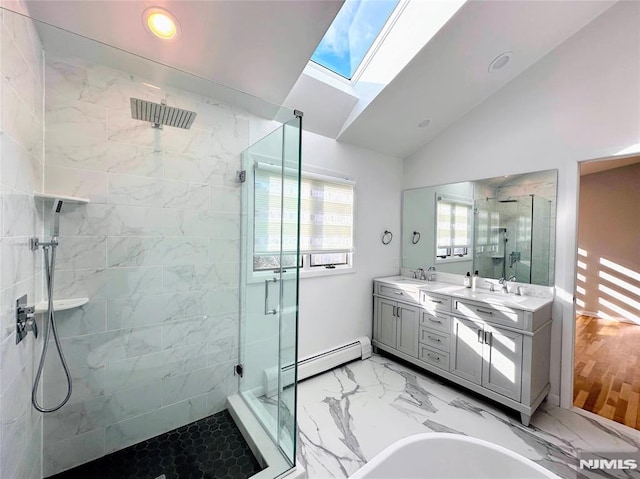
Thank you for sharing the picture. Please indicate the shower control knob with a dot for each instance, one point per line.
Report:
(25, 321)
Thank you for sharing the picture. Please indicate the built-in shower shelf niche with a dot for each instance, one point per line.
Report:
(66, 199)
(61, 304)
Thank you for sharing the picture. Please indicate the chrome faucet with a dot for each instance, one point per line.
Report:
(504, 288)
(492, 287)
(422, 273)
(432, 273)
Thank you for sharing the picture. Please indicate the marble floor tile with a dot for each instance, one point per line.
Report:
(348, 415)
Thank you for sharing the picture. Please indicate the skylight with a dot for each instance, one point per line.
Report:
(350, 36)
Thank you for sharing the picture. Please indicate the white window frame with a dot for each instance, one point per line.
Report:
(306, 270)
(463, 201)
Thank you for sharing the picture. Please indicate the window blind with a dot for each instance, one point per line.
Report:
(453, 223)
(326, 213)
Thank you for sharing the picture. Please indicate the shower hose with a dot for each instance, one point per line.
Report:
(50, 268)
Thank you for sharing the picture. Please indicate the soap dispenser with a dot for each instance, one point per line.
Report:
(467, 280)
(474, 281)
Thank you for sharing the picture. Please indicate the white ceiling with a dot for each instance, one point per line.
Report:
(261, 47)
(258, 47)
(449, 76)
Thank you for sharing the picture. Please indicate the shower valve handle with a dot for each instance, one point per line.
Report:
(25, 321)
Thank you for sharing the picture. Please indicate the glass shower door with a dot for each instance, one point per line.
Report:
(269, 282)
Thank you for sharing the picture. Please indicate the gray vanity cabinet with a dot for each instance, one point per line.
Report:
(499, 351)
(488, 356)
(466, 350)
(386, 322)
(502, 361)
(397, 326)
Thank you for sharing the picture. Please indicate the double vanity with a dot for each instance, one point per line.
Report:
(495, 344)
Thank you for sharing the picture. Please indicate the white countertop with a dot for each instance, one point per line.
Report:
(526, 303)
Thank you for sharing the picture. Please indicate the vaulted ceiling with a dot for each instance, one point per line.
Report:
(262, 47)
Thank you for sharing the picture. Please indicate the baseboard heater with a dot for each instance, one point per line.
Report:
(318, 363)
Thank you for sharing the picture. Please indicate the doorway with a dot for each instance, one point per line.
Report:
(607, 330)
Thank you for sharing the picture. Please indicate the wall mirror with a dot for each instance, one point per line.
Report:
(502, 227)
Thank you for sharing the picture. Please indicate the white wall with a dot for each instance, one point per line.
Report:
(339, 308)
(581, 101)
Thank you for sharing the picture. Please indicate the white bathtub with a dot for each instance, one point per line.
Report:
(449, 456)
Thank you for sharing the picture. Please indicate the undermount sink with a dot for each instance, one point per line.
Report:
(498, 298)
(402, 279)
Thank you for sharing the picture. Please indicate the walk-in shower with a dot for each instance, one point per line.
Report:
(147, 287)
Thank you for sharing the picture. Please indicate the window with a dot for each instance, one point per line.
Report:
(326, 221)
(351, 35)
(453, 217)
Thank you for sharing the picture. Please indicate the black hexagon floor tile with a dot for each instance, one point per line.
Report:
(212, 448)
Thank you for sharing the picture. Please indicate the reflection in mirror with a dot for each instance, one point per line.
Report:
(502, 227)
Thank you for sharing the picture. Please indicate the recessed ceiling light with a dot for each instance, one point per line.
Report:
(500, 62)
(161, 23)
(424, 123)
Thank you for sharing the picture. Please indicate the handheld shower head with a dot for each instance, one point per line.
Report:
(57, 208)
(57, 205)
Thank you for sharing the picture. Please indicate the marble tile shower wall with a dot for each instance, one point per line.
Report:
(21, 170)
(156, 251)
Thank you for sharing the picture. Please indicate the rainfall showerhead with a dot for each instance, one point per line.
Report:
(159, 114)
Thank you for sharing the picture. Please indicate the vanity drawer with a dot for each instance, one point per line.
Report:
(435, 302)
(436, 320)
(399, 294)
(433, 356)
(492, 313)
(435, 339)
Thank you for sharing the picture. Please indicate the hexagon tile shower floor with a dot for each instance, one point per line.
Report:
(212, 448)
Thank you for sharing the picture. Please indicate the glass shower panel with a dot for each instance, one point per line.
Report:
(541, 241)
(502, 237)
(269, 283)
(519, 253)
(289, 290)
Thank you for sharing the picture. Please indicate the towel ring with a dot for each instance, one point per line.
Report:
(416, 237)
(387, 234)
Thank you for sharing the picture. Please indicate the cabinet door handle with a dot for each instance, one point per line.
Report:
(437, 358)
(435, 320)
(483, 311)
(394, 311)
(398, 310)
(436, 301)
(434, 339)
(488, 337)
(480, 336)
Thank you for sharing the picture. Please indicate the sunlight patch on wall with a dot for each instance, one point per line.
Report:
(620, 269)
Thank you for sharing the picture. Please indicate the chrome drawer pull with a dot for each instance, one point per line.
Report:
(434, 339)
(399, 292)
(483, 311)
(437, 358)
(434, 321)
(435, 301)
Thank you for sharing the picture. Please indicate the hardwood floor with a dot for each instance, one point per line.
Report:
(607, 372)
